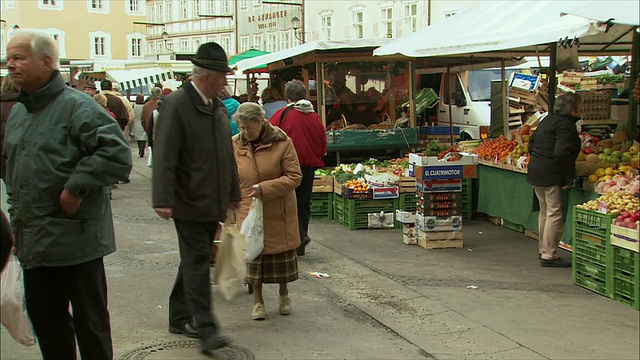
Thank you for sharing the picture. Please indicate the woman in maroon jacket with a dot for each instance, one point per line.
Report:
(303, 125)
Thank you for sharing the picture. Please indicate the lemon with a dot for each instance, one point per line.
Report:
(593, 179)
(608, 177)
(600, 172)
(623, 169)
(609, 171)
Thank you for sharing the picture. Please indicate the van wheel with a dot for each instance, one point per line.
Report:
(464, 136)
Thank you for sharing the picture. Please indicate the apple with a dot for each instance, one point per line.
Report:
(627, 220)
(620, 218)
(626, 214)
(632, 226)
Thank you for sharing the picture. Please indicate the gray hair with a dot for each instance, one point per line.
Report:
(567, 103)
(42, 44)
(199, 72)
(156, 92)
(249, 111)
(296, 90)
(115, 86)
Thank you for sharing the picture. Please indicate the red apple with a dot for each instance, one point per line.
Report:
(632, 226)
(627, 220)
(620, 218)
(626, 214)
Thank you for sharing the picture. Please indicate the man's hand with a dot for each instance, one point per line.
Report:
(566, 187)
(69, 202)
(165, 213)
(255, 193)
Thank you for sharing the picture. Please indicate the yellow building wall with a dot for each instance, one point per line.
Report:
(77, 23)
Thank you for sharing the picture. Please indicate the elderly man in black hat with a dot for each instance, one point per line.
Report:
(195, 182)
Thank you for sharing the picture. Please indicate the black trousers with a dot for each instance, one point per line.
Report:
(190, 299)
(48, 291)
(303, 195)
(142, 145)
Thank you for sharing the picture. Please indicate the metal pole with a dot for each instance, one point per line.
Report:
(633, 104)
(449, 98)
(505, 99)
(412, 95)
(303, 21)
(553, 80)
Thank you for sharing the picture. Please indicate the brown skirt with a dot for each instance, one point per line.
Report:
(274, 269)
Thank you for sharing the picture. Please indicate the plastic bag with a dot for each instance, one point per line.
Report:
(13, 308)
(150, 159)
(253, 229)
(230, 270)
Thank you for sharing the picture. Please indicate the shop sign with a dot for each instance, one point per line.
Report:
(267, 20)
(108, 67)
(441, 185)
(439, 172)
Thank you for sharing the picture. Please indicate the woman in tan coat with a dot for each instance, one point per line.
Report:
(266, 157)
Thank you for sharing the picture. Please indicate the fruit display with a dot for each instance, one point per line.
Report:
(599, 159)
(617, 180)
(628, 219)
(359, 186)
(617, 202)
(636, 90)
(498, 148)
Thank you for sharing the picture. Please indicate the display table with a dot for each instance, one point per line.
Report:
(508, 195)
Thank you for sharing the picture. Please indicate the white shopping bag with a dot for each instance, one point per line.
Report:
(149, 160)
(253, 229)
(230, 270)
(12, 304)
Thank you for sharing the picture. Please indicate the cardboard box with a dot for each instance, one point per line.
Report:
(422, 160)
(381, 220)
(435, 186)
(409, 240)
(438, 224)
(410, 229)
(470, 171)
(441, 244)
(431, 197)
(390, 192)
(438, 172)
(439, 204)
(405, 217)
(440, 235)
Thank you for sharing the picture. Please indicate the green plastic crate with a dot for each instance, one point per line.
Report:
(356, 211)
(587, 268)
(590, 283)
(592, 222)
(322, 205)
(591, 248)
(338, 208)
(406, 202)
(626, 277)
(513, 226)
(467, 199)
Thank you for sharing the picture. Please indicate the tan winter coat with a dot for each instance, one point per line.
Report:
(274, 166)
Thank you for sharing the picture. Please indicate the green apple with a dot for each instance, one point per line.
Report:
(633, 149)
(607, 151)
(617, 154)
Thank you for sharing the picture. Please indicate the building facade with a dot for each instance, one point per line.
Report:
(83, 29)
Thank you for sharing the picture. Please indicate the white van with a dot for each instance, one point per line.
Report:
(470, 104)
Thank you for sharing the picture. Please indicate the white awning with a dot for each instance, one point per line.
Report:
(626, 12)
(132, 78)
(309, 47)
(512, 28)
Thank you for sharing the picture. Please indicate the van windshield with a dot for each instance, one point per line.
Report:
(480, 83)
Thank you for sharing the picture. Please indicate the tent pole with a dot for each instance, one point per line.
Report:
(505, 99)
(449, 98)
(248, 88)
(633, 105)
(412, 95)
(553, 80)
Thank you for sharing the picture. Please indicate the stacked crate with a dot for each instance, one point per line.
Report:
(439, 205)
(407, 220)
(467, 199)
(625, 287)
(407, 203)
(322, 197)
(354, 213)
(592, 253)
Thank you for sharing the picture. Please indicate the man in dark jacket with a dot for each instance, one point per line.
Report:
(63, 153)
(304, 127)
(554, 147)
(195, 182)
(117, 107)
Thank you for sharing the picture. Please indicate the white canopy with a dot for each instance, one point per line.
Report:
(513, 27)
(309, 47)
(619, 12)
(131, 78)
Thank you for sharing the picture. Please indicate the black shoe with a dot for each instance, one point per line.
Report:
(214, 342)
(557, 263)
(300, 251)
(188, 330)
(306, 240)
(141, 155)
(124, 181)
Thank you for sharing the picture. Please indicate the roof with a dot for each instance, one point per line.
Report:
(249, 54)
(319, 45)
(626, 12)
(511, 28)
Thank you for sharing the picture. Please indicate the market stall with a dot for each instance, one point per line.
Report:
(357, 96)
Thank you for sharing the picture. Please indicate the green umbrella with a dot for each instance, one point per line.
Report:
(251, 53)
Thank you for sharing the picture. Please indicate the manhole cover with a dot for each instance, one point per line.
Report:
(184, 349)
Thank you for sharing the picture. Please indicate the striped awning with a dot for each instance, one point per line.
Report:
(132, 78)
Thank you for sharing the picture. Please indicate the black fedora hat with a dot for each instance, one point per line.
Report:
(212, 56)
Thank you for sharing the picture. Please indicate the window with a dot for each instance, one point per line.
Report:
(211, 39)
(326, 27)
(98, 6)
(211, 7)
(150, 47)
(100, 43)
(160, 47)
(257, 3)
(151, 15)
(169, 16)
(159, 13)
(135, 45)
(449, 13)
(58, 35)
(273, 42)
(226, 44)
(134, 8)
(184, 12)
(410, 18)
(50, 5)
(457, 87)
(244, 43)
(285, 42)
(244, 4)
(224, 7)
(358, 24)
(99, 46)
(185, 46)
(386, 16)
(196, 8)
(257, 42)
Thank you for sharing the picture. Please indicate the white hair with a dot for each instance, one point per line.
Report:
(42, 44)
(115, 86)
(199, 72)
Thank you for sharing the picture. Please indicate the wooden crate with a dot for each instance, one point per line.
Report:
(531, 234)
(407, 184)
(337, 187)
(440, 244)
(323, 184)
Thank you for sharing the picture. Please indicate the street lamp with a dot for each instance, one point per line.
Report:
(295, 24)
(165, 38)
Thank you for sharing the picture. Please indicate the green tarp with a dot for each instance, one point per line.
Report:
(251, 53)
